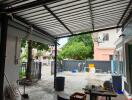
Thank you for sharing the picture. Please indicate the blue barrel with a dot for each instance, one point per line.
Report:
(117, 83)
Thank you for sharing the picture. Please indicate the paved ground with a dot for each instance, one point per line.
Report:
(74, 82)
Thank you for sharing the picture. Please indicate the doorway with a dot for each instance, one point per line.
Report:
(130, 62)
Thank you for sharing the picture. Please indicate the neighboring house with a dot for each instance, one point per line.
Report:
(104, 44)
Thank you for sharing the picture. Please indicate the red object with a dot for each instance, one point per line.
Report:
(78, 96)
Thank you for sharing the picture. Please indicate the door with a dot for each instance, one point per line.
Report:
(130, 63)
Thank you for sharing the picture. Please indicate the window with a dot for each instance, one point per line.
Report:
(110, 57)
(106, 37)
(121, 69)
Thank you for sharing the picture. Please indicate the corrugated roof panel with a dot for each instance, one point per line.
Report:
(72, 5)
(61, 3)
(30, 10)
(21, 3)
(72, 12)
(73, 16)
(42, 12)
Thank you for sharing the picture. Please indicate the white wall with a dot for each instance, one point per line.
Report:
(113, 36)
(12, 53)
(11, 69)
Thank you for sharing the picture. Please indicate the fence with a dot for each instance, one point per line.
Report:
(103, 66)
(35, 69)
(59, 67)
(71, 65)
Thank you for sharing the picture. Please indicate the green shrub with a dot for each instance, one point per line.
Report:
(21, 75)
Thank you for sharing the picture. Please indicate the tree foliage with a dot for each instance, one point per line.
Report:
(78, 47)
(29, 45)
(36, 45)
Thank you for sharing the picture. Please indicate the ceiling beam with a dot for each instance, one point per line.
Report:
(90, 32)
(26, 6)
(129, 4)
(54, 15)
(91, 14)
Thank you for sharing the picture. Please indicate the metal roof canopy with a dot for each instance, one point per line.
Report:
(65, 18)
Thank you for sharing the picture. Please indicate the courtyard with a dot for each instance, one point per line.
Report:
(74, 82)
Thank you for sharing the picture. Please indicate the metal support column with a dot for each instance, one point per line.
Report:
(3, 40)
(55, 62)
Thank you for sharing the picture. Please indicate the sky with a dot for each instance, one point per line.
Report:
(62, 42)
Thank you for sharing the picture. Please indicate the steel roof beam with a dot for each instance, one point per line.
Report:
(90, 32)
(52, 13)
(91, 14)
(129, 4)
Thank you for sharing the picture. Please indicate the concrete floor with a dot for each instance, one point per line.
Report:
(74, 82)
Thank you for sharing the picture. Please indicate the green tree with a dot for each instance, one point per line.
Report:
(78, 47)
(30, 45)
(36, 45)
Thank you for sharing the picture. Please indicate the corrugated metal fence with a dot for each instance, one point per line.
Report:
(81, 65)
(35, 69)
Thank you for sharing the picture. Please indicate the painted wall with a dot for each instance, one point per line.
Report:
(103, 49)
(102, 53)
(113, 36)
(12, 58)
(12, 65)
